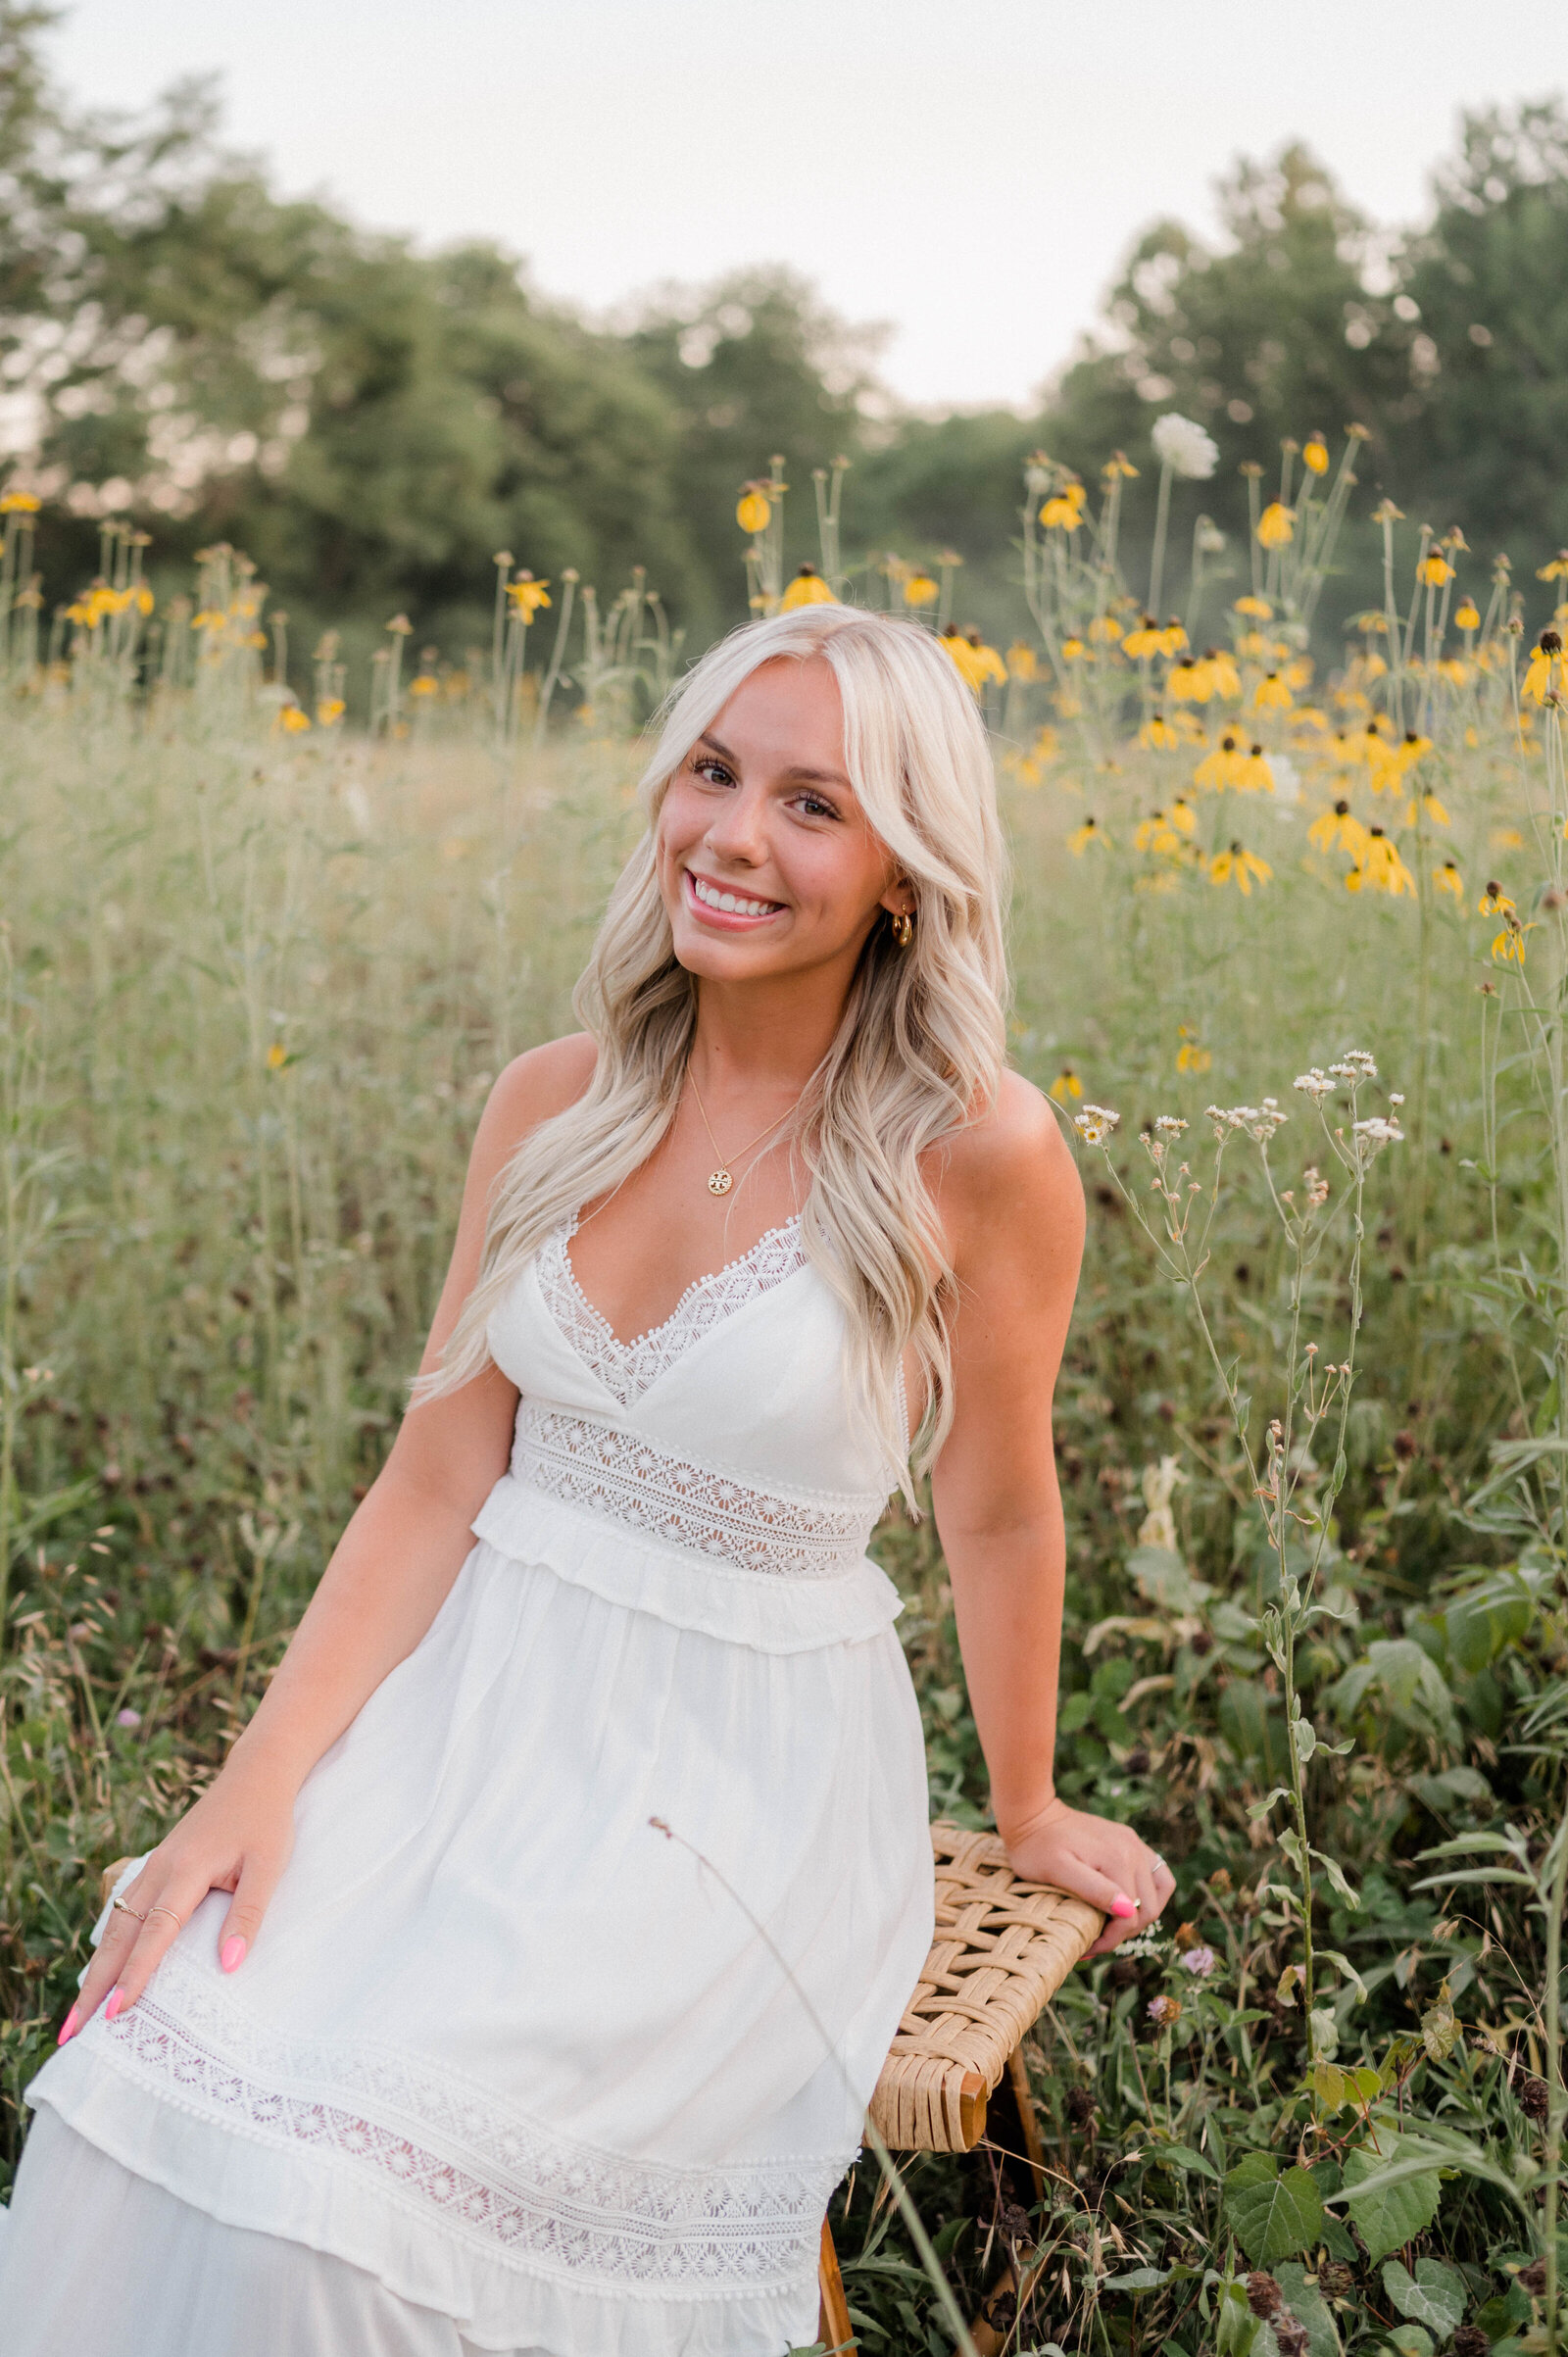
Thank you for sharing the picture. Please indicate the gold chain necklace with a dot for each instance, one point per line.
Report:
(720, 1181)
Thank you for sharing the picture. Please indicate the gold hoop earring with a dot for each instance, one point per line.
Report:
(904, 929)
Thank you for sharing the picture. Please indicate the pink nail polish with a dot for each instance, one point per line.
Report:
(1122, 1905)
(69, 2027)
(117, 1998)
(231, 1956)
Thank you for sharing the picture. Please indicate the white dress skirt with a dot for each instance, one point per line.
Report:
(600, 1916)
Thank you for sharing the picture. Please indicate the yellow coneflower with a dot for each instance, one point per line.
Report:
(1380, 869)
(1191, 1056)
(1173, 639)
(329, 711)
(1119, 467)
(1022, 660)
(1253, 774)
(1224, 678)
(1435, 569)
(1104, 629)
(1066, 1085)
(1307, 716)
(1255, 609)
(1064, 511)
(1448, 878)
(1271, 694)
(1276, 527)
(1080, 838)
(806, 589)
(1494, 902)
(755, 511)
(1338, 829)
(920, 590)
(1315, 454)
(19, 503)
(1543, 672)
(525, 593)
(1156, 734)
(293, 720)
(1073, 649)
(1466, 615)
(1217, 769)
(1239, 867)
(1556, 570)
(1158, 834)
(1433, 807)
(1182, 815)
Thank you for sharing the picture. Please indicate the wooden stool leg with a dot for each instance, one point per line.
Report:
(833, 2311)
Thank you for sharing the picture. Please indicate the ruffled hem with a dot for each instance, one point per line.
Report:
(496, 2305)
(768, 1611)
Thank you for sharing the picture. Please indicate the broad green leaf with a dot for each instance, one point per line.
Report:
(1440, 2026)
(1436, 2294)
(1334, 1873)
(1183, 2156)
(1164, 1579)
(1271, 2216)
(1332, 1956)
(1137, 2278)
(1411, 2340)
(1389, 2215)
(1309, 2308)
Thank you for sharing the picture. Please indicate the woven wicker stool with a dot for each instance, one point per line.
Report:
(1001, 1950)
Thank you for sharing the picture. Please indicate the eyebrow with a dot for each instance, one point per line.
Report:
(797, 771)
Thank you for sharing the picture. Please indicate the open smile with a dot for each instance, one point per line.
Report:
(733, 911)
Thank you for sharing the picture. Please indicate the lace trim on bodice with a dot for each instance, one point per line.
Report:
(620, 1475)
(556, 2208)
(628, 1369)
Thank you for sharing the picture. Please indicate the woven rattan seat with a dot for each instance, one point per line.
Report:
(1001, 1950)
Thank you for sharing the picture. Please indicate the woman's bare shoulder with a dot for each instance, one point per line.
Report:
(1008, 1178)
(534, 1087)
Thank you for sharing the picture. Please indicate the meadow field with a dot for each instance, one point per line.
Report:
(1291, 954)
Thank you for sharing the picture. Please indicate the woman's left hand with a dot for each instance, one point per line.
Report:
(1097, 1859)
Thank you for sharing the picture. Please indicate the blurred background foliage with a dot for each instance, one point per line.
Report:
(181, 345)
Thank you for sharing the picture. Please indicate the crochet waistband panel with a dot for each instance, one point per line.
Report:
(605, 1470)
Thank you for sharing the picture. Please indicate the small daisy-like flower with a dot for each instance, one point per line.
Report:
(1199, 1963)
(1095, 1123)
(1316, 1084)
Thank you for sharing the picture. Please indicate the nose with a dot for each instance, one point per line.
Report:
(738, 831)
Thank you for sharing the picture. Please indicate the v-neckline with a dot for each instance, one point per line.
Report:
(630, 1368)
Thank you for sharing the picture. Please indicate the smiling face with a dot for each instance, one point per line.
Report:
(767, 862)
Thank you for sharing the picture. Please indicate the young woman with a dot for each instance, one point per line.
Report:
(520, 1982)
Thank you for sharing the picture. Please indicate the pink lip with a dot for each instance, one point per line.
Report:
(724, 921)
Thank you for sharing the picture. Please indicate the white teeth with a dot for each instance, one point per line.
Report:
(728, 903)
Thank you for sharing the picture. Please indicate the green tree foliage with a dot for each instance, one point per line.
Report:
(372, 423)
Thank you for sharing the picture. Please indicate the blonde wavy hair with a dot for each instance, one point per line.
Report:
(918, 1053)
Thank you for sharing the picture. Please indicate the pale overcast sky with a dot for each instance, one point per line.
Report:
(970, 171)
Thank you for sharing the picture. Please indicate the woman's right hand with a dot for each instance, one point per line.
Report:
(236, 1838)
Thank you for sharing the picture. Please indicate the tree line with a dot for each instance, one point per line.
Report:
(181, 345)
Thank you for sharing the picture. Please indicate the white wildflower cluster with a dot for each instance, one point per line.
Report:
(1260, 1122)
(1368, 1138)
(1182, 445)
(1095, 1123)
(1316, 1084)
(1317, 1186)
(1355, 1065)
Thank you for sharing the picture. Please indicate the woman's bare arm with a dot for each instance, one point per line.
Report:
(1012, 1208)
(388, 1577)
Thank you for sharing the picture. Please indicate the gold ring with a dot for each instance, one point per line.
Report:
(125, 1908)
(179, 1921)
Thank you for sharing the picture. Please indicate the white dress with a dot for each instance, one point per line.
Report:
(509, 2068)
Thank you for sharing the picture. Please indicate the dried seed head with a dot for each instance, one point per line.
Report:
(1263, 2294)
(1535, 2097)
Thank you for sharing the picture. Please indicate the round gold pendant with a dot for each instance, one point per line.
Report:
(721, 1183)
